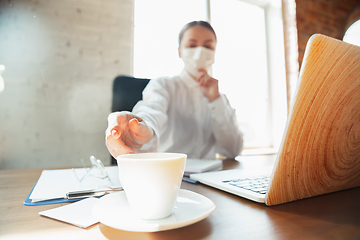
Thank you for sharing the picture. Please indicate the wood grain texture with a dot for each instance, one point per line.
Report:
(234, 217)
(321, 148)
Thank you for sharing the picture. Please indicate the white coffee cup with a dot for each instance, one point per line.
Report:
(151, 182)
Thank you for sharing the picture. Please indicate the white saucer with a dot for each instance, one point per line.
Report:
(113, 210)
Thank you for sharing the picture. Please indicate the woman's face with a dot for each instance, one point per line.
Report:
(197, 36)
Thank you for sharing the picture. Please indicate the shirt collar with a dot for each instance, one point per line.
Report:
(188, 80)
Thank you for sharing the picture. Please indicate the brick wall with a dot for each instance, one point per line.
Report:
(328, 17)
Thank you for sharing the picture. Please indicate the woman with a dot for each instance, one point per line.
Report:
(184, 113)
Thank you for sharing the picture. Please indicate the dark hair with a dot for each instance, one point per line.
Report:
(194, 23)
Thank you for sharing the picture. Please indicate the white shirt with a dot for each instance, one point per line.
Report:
(184, 121)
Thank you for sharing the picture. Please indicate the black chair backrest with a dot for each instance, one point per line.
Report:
(127, 91)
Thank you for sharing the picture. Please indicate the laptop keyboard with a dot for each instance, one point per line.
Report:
(255, 184)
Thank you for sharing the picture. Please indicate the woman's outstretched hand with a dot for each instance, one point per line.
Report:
(126, 133)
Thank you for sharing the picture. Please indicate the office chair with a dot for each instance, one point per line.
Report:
(127, 91)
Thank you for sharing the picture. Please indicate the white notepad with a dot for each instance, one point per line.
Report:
(54, 184)
(202, 165)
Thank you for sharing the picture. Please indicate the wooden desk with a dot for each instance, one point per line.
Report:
(332, 216)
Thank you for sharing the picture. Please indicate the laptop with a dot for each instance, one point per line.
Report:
(320, 149)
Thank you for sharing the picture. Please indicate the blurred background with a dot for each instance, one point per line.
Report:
(58, 60)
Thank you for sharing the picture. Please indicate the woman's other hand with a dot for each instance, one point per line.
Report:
(208, 85)
(126, 133)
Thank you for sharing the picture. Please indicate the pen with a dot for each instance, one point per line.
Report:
(90, 193)
(186, 179)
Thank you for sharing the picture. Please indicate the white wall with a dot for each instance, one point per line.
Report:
(61, 58)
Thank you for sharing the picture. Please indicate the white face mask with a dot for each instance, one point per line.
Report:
(197, 58)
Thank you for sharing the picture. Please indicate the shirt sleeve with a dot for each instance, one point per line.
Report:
(229, 139)
(152, 109)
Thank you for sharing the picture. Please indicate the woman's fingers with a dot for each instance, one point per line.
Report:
(203, 78)
(118, 140)
(117, 147)
(113, 125)
(126, 133)
(140, 131)
(111, 150)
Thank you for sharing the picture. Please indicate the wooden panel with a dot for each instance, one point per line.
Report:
(321, 150)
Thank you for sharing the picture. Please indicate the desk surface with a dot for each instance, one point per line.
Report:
(331, 216)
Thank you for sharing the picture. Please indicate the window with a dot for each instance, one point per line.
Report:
(249, 59)
(157, 26)
(241, 65)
